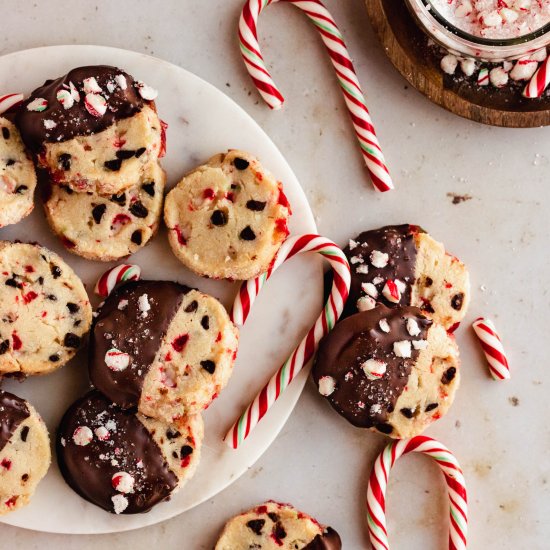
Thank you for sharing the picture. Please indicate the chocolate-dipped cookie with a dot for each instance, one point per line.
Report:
(107, 228)
(17, 175)
(392, 370)
(24, 452)
(121, 460)
(274, 526)
(93, 129)
(163, 347)
(44, 310)
(227, 218)
(401, 265)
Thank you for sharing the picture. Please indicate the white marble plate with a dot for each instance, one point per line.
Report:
(202, 121)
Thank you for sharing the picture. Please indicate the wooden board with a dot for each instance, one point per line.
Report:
(407, 47)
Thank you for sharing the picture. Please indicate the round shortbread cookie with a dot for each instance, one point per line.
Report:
(17, 176)
(44, 310)
(24, 452)
(392, 370)
(92, 129)
(163, 347)
(121, 460)
(107, 228)
(274, 526)
(227, 218)
(401, 265)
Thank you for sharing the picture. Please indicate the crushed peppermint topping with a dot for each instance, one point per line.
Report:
(391, 292)
(144, 305)
(65, 98)
(379, 259)
(362, 269)
(352, 244)
(384, 325)
(412, 327)
(38, 105)
(117, 360)
(377, 280)
(74, 92)
(366, 303)
(376, 408)
(120, 503)
(120, 79)
(123, 482)
(91, 86)
(327, 385)
(369, 289)
(95, 104)
(356, 260)
(102, 433)
(49, 124)
(82, 436)
(122, 305)
(147, 92)
(402, 348)
(400, 285)
(374, 369)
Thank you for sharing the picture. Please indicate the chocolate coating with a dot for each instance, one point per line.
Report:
(76, 121)
(398, 242)
(329, 540)
(364, 402)
(88, 469)
(13, 410)
(130, 331)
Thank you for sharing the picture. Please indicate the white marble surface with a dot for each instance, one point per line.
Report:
(499, 431)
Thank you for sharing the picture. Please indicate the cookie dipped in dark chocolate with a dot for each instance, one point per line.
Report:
(397, 241)
(56, 124)
(366, 402)
(13, 410)
(97, 440)
(132, 321)
(329, 540)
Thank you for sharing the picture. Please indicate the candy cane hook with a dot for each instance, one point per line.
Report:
(345, 72)
(307, 347)
(456, 486)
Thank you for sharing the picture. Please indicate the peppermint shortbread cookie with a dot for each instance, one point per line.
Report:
(403, 265)
(44, 310)
(24, 452)
(163, 347)
(17, 176)
(227, 218)
(94, 129)
(121, 460)
(107, 228)
(392, 370)
(274, 526)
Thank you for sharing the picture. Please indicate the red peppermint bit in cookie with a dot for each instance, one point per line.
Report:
(281, 226)
(230, 196)
(82, 436)
(17, 344)
(123, 482)
(181, 239)
(29, 269)
(168, 357)
(219, 337)
(282, 200)
(10, 503)
(120, 220)
(163, 128)
(95, 104)
(67, 243)
(119, 143)
(261, 510)
(391, 292)
(452, 328)
(117, 360)
(185, 461)
(179, 343)
(30, 296)
(208, 194)
(6, 463)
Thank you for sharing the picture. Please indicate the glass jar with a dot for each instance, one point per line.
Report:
(464, 44)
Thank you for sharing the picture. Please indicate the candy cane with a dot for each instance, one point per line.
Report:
(539, 81)
(307, 347)
(10, 100)
(492, 348)
(116, 275)
(345, 72)
(378, 482)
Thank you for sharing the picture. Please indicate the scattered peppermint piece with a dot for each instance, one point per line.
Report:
(49, 124)
(391, 292)
(402, 348)
(356, 260)
(38, 105)
(369, 289)
(412, 327)
(147, 92)
(376, 409)
(117, 360)
(95, 104)
(366, 303)
(120, 79)
(120, 503)
(327, 385)
(362, 269)
(82, 436)
(377, 280)
(74, 92)
(400, 285)
(374, 369)
(379, 259)
(352, 244)
(102, 433)
(65, 98)
(91, 86)
(122, 305)
(144, 305)
(384, 325)
(123, 482)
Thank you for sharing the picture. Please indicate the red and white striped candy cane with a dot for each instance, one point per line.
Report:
(118, 274)
(341, 60)
(539, 81)
(10, 100)
(492, 348)
(307, 347)
(378, 482)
